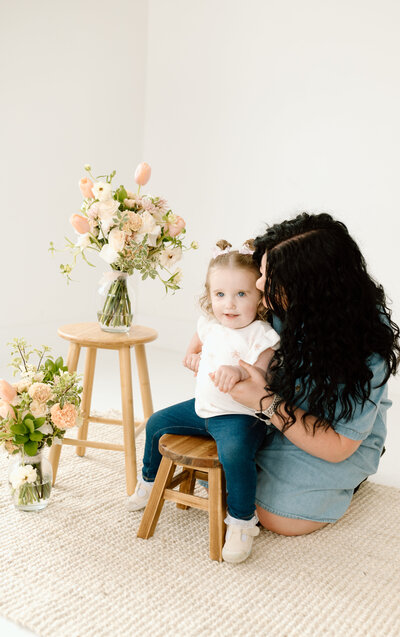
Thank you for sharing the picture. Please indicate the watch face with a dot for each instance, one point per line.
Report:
(261, 415)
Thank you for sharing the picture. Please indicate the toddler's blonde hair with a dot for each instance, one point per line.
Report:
(232, 259)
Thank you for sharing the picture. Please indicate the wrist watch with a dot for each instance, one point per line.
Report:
(266, 414)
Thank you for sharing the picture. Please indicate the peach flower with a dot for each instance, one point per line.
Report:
(142, 174)
(10, 447)
(6, 411)
(64, 418)
(86, 186)
(176, 226)
(38, 409)
(7, 391)
(80, 224)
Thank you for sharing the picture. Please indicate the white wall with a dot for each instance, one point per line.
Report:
(73, 88)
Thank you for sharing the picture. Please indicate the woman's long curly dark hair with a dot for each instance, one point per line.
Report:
(334, 317)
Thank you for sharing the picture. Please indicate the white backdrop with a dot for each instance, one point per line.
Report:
(247, 112)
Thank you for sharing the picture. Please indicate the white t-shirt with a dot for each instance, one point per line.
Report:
(225, 346)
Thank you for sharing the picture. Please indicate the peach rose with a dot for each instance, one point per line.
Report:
(6, 411)
(86, 186)
(142, 174)
(7, 391)
(80, 224)
(176, 227)
(64, 418)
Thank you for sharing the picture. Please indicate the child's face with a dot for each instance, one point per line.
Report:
(234, 296)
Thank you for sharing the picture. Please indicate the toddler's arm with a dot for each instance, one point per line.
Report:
(226, 376)
(193, 352)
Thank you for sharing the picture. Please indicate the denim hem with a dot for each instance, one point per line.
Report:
(284, 514)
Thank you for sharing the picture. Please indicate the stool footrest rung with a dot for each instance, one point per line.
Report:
(178, 479)
(93, 444)
(184, 498)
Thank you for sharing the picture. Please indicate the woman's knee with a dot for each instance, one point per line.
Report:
(287, 526)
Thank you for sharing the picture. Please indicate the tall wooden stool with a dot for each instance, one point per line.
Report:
(91, 336)
(199, 459)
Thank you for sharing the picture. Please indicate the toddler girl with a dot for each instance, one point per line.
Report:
(234, 329)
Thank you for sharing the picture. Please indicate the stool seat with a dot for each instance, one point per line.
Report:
(190, 451)
(91, 335)
(199, 460)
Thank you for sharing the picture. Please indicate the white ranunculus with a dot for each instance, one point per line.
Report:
(170, 256)
(108, 254)
(149, 227)
(102, 190)
(38, 409)
(116, 239)
(45, 429)
(83, 241)
(107, 211)
(22, 474)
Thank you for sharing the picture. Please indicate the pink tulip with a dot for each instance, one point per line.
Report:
(86, 186)
(176, 228)
(142, 174)
(6, 411)
(7, 391)
(80, 224)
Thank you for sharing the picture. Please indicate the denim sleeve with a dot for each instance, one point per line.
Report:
(364, 416)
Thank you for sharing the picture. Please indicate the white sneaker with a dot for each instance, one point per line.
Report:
(139, 499)
(239, 539)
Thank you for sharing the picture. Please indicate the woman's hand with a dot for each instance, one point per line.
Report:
(250, 391)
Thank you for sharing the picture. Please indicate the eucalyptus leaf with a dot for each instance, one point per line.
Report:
(36, 435)
(30, 424)
(19, 429)
(31, 448)
(40, 421)
(20, 440)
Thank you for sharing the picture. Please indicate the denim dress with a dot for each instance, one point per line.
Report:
(294, 484)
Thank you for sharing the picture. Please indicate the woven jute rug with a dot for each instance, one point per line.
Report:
(76, 569)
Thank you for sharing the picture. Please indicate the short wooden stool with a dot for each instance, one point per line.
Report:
(199, 459)
(91, 336)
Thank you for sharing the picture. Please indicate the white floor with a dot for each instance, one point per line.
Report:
(171, 383)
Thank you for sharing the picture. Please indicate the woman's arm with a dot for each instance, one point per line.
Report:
(325, 444)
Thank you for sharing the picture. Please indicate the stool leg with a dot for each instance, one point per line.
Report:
(72, 364)
(156, 501)
(216, 511)
(144, 380)
(88, 375)
(187, 486)
(128, 419)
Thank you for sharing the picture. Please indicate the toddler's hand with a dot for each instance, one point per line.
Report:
(192, 361)
(226, 377)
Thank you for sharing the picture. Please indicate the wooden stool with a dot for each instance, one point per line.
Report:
(91, 336)
(199, 459)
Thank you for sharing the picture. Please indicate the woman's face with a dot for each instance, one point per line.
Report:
(260, 283)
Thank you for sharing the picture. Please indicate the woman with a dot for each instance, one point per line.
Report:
(326, 393)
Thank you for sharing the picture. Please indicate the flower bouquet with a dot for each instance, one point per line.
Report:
(130, 232)
(35, 412)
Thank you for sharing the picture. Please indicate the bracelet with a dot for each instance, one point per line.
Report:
(266, 414)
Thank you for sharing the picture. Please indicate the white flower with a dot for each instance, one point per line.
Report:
(45, 429)
(178, 275)
(149, 227)
(116, 239)
(83, 241)
(38, 409)
(108, 254)
(22, 474)
(106, 211)
(102, 190)
(170, 256)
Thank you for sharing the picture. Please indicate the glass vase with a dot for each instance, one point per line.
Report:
(115, 295)
(30, 479)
